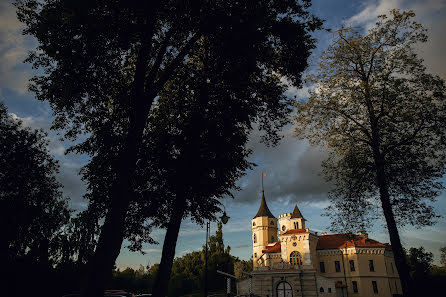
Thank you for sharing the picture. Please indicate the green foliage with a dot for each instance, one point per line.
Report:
(136, 281)
(240, 266)
(382, 117)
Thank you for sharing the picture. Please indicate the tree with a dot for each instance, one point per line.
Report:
(106, 64)
(419, 262)
(443, 256)
(32, 207)
(382, 117)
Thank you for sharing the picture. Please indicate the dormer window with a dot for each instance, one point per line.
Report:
(296, 225)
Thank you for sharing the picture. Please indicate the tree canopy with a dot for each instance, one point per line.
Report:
(32, 207)
(108, 63)
(382, 117)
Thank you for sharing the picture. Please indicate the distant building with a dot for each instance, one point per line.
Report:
(290, 260)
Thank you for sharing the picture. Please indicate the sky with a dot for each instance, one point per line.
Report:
(292, 168)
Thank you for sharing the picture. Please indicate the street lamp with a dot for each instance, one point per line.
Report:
(224, 219)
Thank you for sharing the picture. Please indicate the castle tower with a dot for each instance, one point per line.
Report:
(264, 230)
(291, 220)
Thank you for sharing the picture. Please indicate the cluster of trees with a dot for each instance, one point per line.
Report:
(165, 94)
(429, 278)
(187, 276)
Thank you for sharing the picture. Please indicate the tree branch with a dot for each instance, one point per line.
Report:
(406, 141)
(166, 74)
(159, 58)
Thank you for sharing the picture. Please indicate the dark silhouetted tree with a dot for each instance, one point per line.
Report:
(108, 62)
(32, 207)
(382, 117)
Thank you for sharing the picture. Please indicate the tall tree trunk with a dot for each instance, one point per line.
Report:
(169, 245)
(381, 180)
(398, 252)
(112, 233)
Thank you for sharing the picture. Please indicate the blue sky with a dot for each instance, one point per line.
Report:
(293, 167)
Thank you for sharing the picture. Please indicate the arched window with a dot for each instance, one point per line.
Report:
(255, 238)
(272, 223)
(284, 290)
(321, 290)
(295, 258)
(283, 228)
(253, 224)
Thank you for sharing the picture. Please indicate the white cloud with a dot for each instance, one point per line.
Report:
(13, 50)
(429, 13)
(368, 15)
(151, 250)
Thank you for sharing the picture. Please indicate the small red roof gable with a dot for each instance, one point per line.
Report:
(273, 248)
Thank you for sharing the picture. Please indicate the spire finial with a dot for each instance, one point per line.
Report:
(263, 175)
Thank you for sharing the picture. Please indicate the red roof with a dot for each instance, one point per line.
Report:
(294, 231)
(272, 249)
(335, 241)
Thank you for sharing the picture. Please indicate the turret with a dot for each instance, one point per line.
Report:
(291, 220)
(264, 229)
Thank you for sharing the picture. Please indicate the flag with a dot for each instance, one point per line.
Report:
(264, 174)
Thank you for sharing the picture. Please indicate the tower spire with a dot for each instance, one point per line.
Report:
(264, 210)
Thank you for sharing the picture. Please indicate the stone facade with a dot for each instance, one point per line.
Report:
(290, 260)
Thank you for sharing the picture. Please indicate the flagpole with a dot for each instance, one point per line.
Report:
(262, 181)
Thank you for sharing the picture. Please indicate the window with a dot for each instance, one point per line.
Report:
(352, 265)
(253, 224)
(372, 268)
(337, 266)
(255, 255)
(391, 266)
(375, 287)
(296, 225)
(322, 267)
(295, 258)
(272, 238)
(355, 286)
(272, 223)
(321, 290)
(329, 290)
(255, 238)
(283, 228)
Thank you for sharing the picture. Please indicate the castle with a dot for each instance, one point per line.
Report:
(290, 260)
